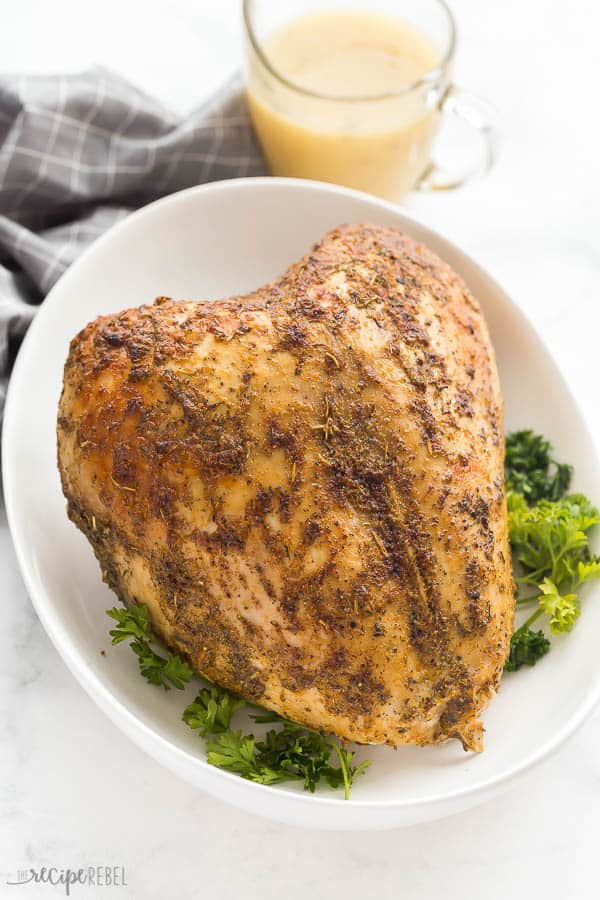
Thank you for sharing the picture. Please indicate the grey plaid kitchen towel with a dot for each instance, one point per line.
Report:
(78, 153)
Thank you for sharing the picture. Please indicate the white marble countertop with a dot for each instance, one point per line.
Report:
(73, 790)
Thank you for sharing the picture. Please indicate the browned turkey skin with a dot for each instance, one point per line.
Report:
(305, 485)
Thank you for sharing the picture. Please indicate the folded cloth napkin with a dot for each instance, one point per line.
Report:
(78, 153)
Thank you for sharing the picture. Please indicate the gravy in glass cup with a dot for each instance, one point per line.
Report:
(335, 114)
(355, 94)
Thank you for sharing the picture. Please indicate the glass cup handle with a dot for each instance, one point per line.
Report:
(480, 116)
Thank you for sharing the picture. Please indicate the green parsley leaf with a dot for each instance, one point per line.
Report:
(176, 671)
(526, 648)
(133, 622)
(294, 752)
(291, 753)
(236, 752)
(347, 772)
(562, 609)
(588, 570)
(265, 715)
(156, 669)
(550, 540)
(530, 469)
(212, 710)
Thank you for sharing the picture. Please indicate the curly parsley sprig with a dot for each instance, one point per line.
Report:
(526, 647)
(170, 670)
(212, 710)
(291, 752)
(550, 543)
(531, 470)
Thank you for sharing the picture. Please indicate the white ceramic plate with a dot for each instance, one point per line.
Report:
(229, 238)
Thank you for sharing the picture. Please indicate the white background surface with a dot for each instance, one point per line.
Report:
(73, 790)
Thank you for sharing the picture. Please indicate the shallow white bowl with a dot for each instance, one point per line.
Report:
(223, 239)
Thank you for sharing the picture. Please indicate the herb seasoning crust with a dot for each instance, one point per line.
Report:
(305, 485)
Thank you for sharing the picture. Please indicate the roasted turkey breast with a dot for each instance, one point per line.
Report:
(305, 485)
